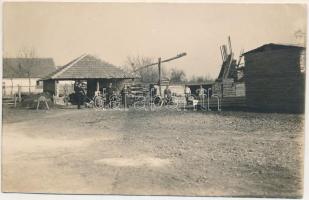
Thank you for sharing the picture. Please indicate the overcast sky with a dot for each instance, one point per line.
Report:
(114, 31)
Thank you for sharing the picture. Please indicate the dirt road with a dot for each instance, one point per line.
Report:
(152, 153)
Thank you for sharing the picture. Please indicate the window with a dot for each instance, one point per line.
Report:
(302, 61)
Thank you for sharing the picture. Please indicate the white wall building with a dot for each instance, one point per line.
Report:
(23, 74)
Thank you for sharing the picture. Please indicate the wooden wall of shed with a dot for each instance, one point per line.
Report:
(49, 86)
(274, 82)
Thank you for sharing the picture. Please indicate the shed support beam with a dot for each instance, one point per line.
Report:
(98, 85)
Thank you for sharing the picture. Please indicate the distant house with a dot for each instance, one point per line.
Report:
(97, 73)
(23, 73)
(275, 78)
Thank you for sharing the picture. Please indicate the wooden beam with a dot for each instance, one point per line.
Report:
(222, 56)
(162, 61)
(230, 45)
(159, 69)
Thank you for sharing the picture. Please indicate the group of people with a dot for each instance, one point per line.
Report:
(80, 94)
(200, 92)
(153, 91)
(110, 90)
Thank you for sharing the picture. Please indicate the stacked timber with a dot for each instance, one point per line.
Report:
(226, 83)
(217, 89)
(229, 87)
(240, 89)
(137, 89)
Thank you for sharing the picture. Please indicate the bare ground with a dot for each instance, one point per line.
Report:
(152, 153)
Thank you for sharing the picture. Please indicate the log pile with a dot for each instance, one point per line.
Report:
(138, 90)
(227, 81)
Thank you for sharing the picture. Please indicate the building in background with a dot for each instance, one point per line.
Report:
(23, 74)
(96, 73)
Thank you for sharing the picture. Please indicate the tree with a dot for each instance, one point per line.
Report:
(147, 75)
(177, 76)
(200, 79)
(300, 37)
(29, 55)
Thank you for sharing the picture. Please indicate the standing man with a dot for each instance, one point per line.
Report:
(187, 92)
(167, 93)
(201, 92)
(79, 93)
(152, 90)
(124, 93)
(109, 92)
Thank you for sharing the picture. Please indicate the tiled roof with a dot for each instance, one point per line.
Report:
(25, 67)
(88, 67)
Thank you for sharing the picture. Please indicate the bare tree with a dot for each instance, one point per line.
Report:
(300, 36)
(177, 76)
(29, 55)
(147, 75)
(200, 79)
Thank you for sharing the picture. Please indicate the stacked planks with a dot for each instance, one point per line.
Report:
(229, 87)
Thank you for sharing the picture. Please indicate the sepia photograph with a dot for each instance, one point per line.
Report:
(156, 99)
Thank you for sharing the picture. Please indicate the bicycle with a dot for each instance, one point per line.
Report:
(155, 102)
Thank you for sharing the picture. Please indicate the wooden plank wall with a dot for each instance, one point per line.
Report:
(274, 82)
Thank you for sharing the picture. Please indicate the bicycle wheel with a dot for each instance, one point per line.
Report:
(140, 103)
(157, 101)
(115, 101)
(172, 103)
(98, 102)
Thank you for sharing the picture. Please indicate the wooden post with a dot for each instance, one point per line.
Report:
(230, 45)
(224, 52)
(3, 89)
(19, 93)
(15, 101)
(222, 56)
(56, 88)
(125, 92)
(159, 68)
(98, 85)
(29, 85)
(12, 86)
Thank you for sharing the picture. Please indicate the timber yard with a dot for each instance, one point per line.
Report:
(214, 144)
(181, 99)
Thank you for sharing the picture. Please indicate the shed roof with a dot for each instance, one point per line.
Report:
(88, 67)
(272, 46)
(27, 67)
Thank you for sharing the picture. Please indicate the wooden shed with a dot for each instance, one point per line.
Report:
(96, 72)
(274, 77)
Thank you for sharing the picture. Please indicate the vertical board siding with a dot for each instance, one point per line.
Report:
(274, 82)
